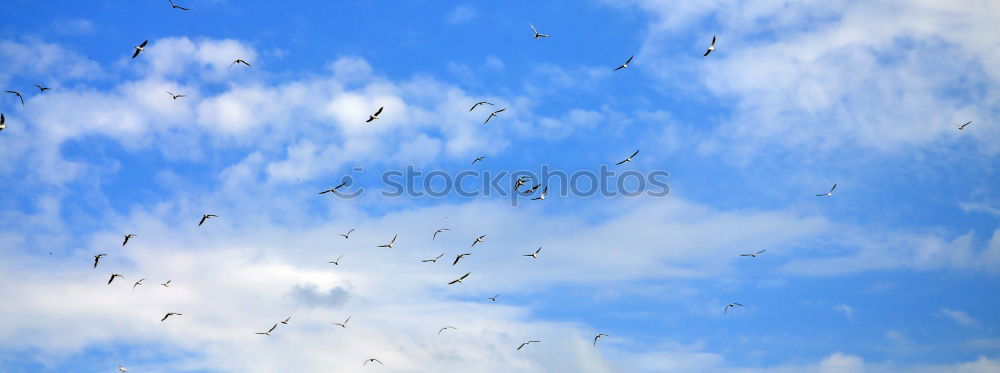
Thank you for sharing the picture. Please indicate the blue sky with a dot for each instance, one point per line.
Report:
(895, 272)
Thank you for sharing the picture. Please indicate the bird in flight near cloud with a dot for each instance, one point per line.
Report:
(624, 65)
(711, 47)
(629, 159)
(537, 34)
(459, 280)
(830, 193)
(18, 94)
(754, 255)
(139, 48)
(375, 116)
(479, 103)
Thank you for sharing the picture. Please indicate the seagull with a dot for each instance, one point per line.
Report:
(828, 194)
(175, 6)
(519, 182)
(624, 65)
(371, 360)
(389, 245)
(711, 47)
(336, 262)
(599, 336)
(439, 231)
(537, 34)
(166, 284)
(43, 89)
(2, 120)
(731, 305)
(478, 159)
(139, 48)
(432, 260)
(348, 234)
(629, 159)
(459, 257)
(113, 277)
(446, 328)
(459, 280)
(169, 314)
(531, 190)
(206, 217)
(97, 258)
(127, 237)
(534, 255)
(334, 189)
(122, 369)
(493, 298)
(287, 320)
(18, 94)
(525, 344)
(268, 332)
(962, 127)
(479, 103)
(754, 254)
(478, 240)
(137, 283)
(493, 114)
(541, 197)
(175, 96)
(238, 60)
(343, 324)
(375, 116)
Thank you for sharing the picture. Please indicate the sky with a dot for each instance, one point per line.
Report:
(896, 271)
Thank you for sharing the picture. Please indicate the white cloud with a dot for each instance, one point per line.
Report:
(462, 14)
(848, 311)
(959, 316)
(817, 77)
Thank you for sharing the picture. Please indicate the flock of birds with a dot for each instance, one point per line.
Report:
(522, 181)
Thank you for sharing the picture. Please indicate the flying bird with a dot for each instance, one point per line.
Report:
(2, 120)
(624, 65)
(238, 60)
(493, 114)
(348, 234)
(375, 116)
(268, 332)
(828, 194)
(962, 127)
(493, 298)
(42, 89)
(446, 328)
(478, 240)
(287, 320)
(371, 360)
(534, 255)
(459, 257)
(113, 277)
(170, 314)
(137, 283)
(478, 159)
(18, 94)
(389, 245)
(206, 217)
(432, 260)
(122, 369)
(541, 197)
(175, 96)
(166, 284)
(439, 231)
(479, 103)
(711, 47)
(97, 258)
(525, 344)
(139, 48)
(128, 237)
(520, 182)
(175, 6)
(629, 159)
(754, 254)
(531, 190)
(459, 280)
(343, 324)
(599, 336)
(334, 189)
(336, 262)
(537, 34)
(731, 305)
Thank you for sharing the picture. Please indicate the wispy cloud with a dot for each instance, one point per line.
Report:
(958, 316)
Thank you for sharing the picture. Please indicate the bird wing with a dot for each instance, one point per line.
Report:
(707, 52)
(759, 252)
(143, 43)
(533, 28)
(634, 154)
(111, 279)
(621, 162)
(834, 187)
(713, 41)
(379, 111)
(136, 53)
(629, 60)
(203, 218)
(272, 328)
(499, 111)
(165, 317)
